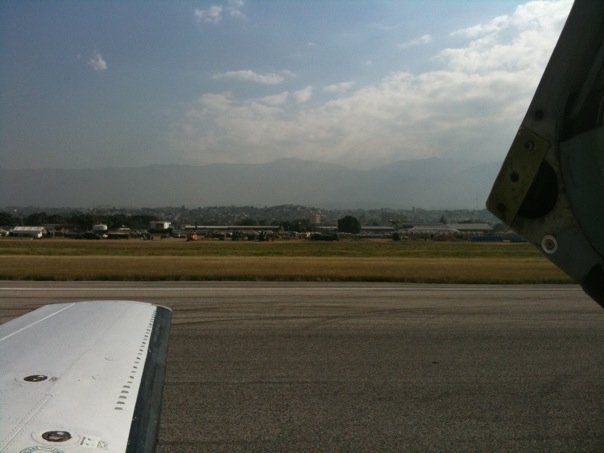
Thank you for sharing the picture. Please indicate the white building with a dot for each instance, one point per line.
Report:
(100, 228)
(159, 226)
(34, 232)
(433, 231)
(470, 230)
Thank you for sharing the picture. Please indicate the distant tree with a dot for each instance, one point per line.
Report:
(443, 219)
(299, 225)
(36, 219)
(349, 224)
(7, 219)
(117, 220)
(246, 221)
(140, 221)
(55, 218)
(41, 218)
(83, 221)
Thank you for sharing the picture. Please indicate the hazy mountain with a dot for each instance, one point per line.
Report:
(428, 183)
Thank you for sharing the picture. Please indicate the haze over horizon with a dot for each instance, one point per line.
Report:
(102, 84)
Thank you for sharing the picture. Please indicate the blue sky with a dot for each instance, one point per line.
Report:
(87, 84)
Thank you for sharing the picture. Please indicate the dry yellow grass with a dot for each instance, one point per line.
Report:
(445, 270)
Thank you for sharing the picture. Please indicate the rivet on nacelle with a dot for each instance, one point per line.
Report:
(56, 436)
(549, 244)
(35, 378)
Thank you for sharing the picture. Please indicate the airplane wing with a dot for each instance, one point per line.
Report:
(551, 186)
(83, 377)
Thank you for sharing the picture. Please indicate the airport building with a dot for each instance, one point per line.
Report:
(35, 232)
(160, 226)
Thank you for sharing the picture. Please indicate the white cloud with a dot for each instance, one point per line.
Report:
(469, 107)
(249, 75)
(97, 62)
(338, 88)
(234, 8)
(540, 16)
(535, 25)
(303, 95)
(424, 39)
(276, 99)
(212, 15)
(476, 31)
(215, 13)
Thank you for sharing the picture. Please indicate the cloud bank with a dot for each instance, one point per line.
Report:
(424, 39)
(468, 107)
(248, 75)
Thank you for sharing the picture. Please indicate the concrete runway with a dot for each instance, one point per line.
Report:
(368, 367)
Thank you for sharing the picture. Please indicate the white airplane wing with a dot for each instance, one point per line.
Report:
(83, 377)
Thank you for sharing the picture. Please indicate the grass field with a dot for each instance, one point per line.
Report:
(350, 260)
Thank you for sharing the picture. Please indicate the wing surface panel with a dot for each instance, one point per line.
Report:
(72, 373)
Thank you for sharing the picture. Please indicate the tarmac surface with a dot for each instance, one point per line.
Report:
(368, 367)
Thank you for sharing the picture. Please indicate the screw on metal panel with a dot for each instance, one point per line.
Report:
(549, 244)
(35, 378)
(539, 114)
(501, 207)
(56, 436)
(514, 177)
(529, 145)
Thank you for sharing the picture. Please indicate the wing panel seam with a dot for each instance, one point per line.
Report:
(37, 322)
(23, 423)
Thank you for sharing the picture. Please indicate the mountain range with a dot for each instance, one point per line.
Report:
(428, 183)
